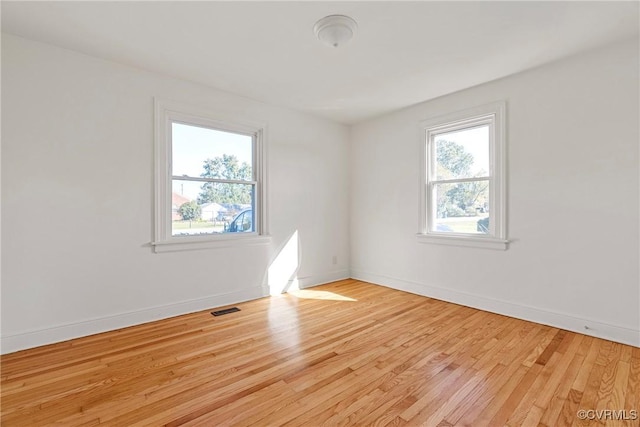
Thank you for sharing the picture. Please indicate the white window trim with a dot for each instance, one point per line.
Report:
(498, 186)
(166, 112)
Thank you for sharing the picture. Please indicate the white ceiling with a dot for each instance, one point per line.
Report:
(402, 54)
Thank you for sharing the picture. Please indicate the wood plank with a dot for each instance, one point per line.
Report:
(345, 353)
(632, 394)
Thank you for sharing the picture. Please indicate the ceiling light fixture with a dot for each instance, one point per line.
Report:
(335, 30)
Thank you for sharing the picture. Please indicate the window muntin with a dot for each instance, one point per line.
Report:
(463, 187)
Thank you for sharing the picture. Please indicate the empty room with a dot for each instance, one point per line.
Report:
(318, 213)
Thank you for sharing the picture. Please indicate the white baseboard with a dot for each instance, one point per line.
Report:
(30, 339)
(558, 320)
(321, 279)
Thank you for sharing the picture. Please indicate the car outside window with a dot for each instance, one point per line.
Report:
(463, 185)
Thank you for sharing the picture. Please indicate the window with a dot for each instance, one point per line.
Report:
(463, 180)
(210, 180)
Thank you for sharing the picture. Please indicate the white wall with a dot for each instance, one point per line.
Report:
(572, 138)
(77, 199)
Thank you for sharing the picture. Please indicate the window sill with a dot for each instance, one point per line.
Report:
(465, 241)
(191, 244)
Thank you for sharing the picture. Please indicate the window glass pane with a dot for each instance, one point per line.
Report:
(211, 208)
(462, 154)
(462, 207)
(210, 153)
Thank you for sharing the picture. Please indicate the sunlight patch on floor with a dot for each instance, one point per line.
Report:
(323, 295)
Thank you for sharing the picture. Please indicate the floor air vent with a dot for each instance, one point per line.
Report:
(225, 311)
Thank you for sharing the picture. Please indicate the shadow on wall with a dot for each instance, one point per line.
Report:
(282, 275)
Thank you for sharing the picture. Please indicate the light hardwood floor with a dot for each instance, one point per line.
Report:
(347, 353)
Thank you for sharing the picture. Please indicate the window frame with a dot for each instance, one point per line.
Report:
(169, 112)
(492, 115)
